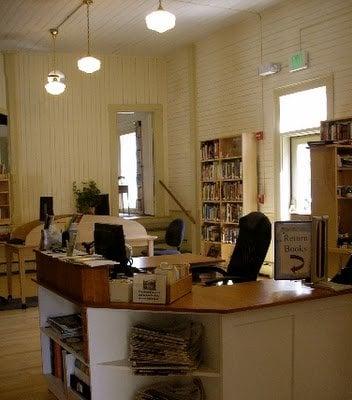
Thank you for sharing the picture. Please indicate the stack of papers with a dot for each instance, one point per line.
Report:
(172, 391)
(67, 326)
(165, 350)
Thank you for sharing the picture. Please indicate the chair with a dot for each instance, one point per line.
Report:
(174, 235)
(249, 252)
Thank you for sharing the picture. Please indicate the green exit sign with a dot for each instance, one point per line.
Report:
(299, 61)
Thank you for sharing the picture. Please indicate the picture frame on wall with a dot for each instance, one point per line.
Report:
(293, 252)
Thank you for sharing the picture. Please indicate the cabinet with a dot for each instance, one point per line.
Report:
(5, 208)
(228, 174)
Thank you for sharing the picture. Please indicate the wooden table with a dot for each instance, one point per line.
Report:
(20, 250)
(184, 258)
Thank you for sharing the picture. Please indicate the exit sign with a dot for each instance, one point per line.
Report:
(299, 61)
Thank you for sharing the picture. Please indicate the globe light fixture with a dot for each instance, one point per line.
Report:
(160, 20)
(56, 79)
(88, 64)
(56, 83)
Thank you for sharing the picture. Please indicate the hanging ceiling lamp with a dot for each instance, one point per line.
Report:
(160, 20)
(56, 79)
(88, 64)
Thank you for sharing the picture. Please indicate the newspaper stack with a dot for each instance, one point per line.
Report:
(172, 391)
(67, 326)
(165, 350)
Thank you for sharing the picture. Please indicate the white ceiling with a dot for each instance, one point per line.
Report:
(117, 26)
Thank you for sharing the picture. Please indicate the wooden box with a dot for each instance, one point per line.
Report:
(178, 289)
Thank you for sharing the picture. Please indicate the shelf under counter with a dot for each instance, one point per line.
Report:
(202, 371)
(66, 346)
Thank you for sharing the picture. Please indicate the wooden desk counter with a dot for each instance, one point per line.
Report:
(236, 298)
(262, 340)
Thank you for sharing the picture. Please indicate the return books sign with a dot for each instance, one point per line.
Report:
(301, 249)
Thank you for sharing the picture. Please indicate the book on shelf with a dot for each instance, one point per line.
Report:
(232, 191)
(337, 130)
(210, 171)
(231, 169)
(210, 150)
(211, 212)
(211, 192)
(211, 233)
(80, 387)
(231, 212)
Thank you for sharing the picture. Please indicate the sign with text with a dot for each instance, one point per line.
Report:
(293, 241)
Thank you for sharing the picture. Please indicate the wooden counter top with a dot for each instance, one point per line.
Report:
(89, 287)
(239, 297)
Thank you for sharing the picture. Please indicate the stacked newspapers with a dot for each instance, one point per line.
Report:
(174, 349)
(67, 326)
(172, 391)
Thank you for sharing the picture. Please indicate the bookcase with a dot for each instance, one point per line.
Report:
(5, 208)
(331, 167)
(228, 174)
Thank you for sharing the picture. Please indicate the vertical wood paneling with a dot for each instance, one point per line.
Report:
(181, 168)
(228, 89)
(56, 140)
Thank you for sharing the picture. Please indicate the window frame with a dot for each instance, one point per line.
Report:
(281, 140)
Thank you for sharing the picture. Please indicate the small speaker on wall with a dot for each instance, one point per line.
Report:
(46, 207)
(103, 208)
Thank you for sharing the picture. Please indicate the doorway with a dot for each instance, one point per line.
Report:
(136, 163)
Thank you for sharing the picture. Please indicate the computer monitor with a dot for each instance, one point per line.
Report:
(45, 207)
(109, 241)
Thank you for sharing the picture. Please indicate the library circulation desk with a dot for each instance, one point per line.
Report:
(262, 340)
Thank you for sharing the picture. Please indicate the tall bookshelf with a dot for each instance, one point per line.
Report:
(332, 191)
(5, 208)
(228, 174)
(331, 186)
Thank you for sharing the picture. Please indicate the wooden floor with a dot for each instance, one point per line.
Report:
(20, 361)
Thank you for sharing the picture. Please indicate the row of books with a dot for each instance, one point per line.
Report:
(172, 391)
(165, 348)
(210, 150)
(336, 130)
(344, 161)
(232, 191)
(211, 192)
(229, 234)
(211, 212)
(231, 212)
(231, 169)
(215, 233)
(210, 171)
(71, 371)
(211, 233)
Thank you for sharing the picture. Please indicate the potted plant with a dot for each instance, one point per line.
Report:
(87, 197)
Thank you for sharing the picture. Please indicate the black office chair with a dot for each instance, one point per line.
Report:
(249, 253)
(175, 232)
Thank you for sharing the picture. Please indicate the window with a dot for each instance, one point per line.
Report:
(300, 116)
(303, 110)
(300, 174)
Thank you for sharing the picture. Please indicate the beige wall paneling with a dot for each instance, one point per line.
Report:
(56, 140)
(228, 89)
(182, 149)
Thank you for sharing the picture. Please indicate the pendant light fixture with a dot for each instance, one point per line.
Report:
(160, 20)
(56, 79)
(88, 64)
